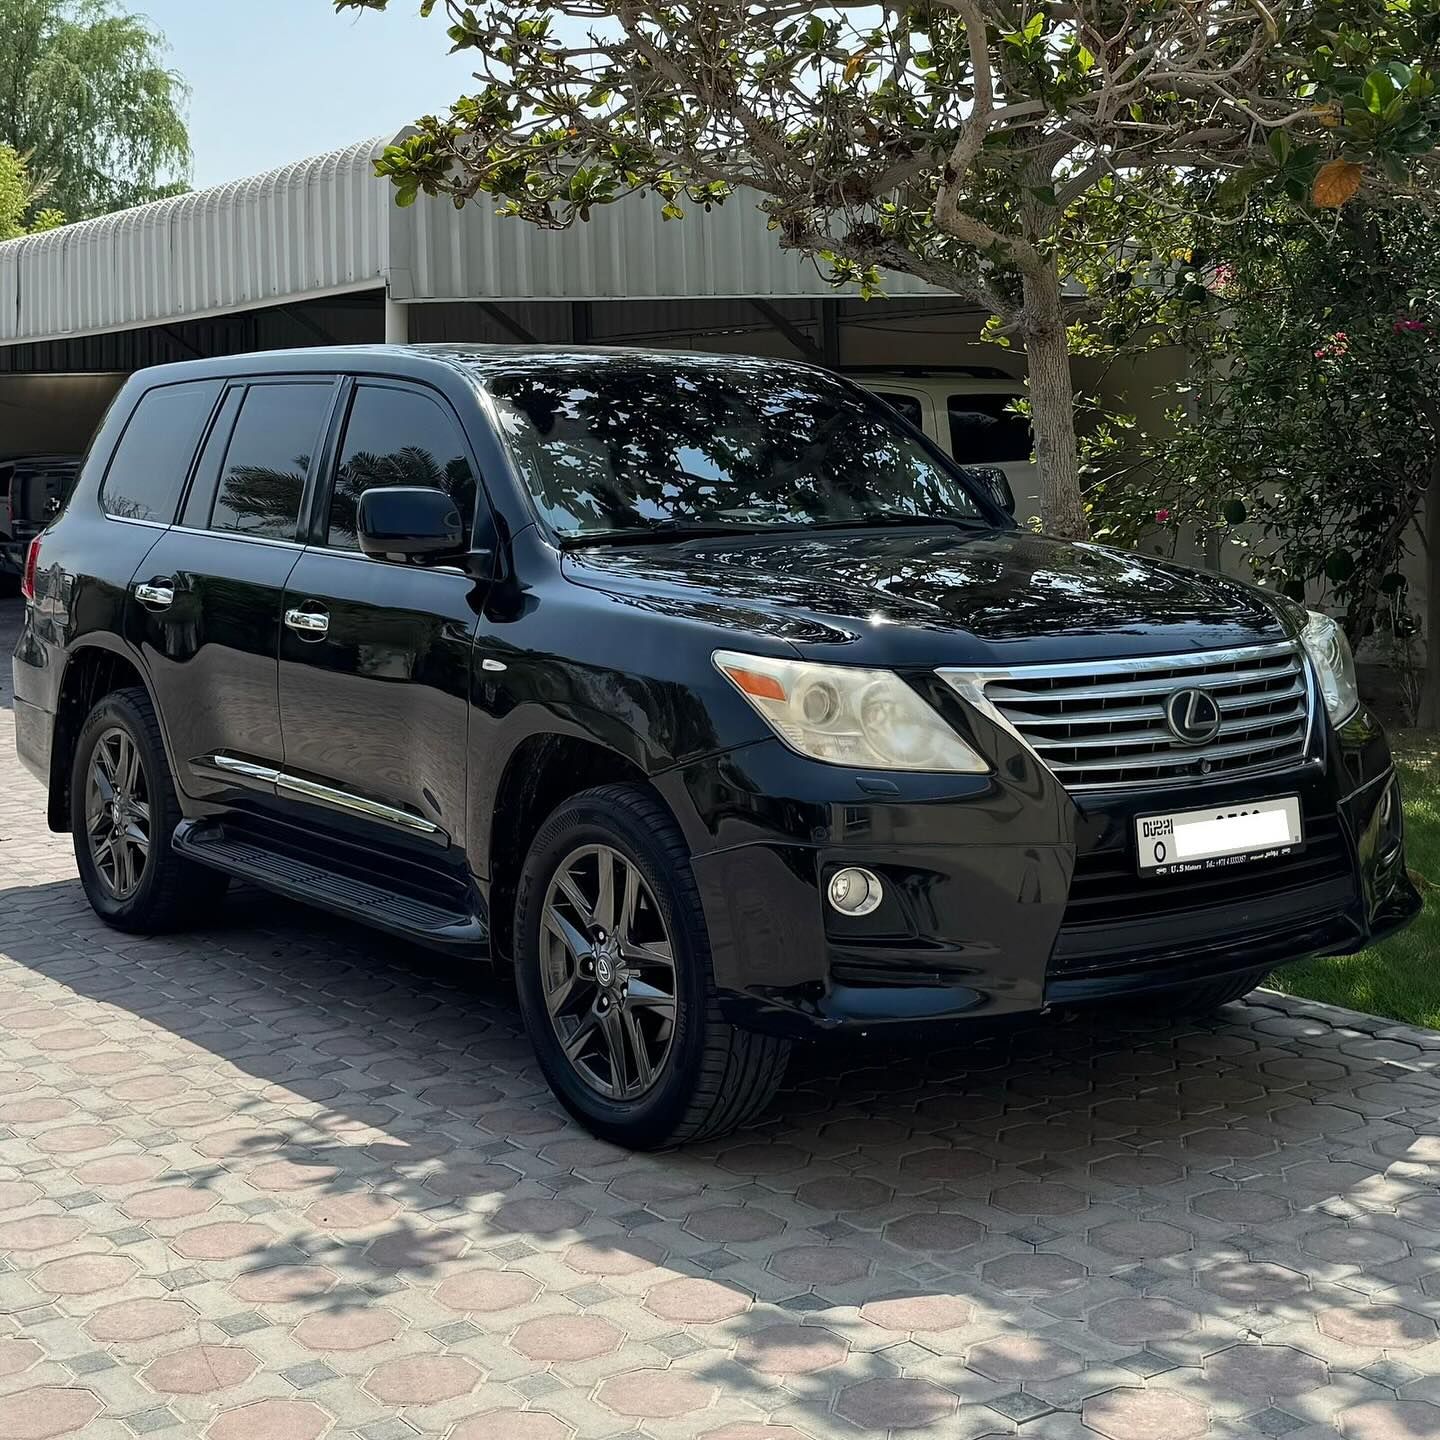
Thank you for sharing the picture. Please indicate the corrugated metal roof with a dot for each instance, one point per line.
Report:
(312, 228)
(327, 224)
(626, 251)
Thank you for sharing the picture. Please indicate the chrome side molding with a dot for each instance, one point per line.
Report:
(355, 804)
(233, 765)
(269, 778)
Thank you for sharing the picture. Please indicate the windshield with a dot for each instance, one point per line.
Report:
(636, 446)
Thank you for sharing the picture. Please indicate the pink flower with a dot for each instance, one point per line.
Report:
(1162, 517)
(1404, 326)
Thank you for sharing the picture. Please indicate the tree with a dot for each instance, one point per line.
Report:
(20, 212)
(966, 142)
(85, 94)
(1318, 442)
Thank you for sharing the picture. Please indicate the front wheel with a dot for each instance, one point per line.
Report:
(615, 982)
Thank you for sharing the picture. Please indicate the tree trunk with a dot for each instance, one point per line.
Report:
(1052, 406)
(1428, 715)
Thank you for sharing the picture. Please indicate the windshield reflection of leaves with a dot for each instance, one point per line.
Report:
(632, 443)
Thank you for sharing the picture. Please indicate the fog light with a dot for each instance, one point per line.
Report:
(855, 891)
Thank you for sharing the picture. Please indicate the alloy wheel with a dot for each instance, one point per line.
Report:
(607, 967)
(117, 813)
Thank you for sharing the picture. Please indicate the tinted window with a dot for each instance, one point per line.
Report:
(153, 459)
(630, 445)
(201, 499)
(398, 437)
(984, 432)
(907, 405)
(263, 480)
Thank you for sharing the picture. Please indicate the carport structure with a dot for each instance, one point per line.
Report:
(318, 253)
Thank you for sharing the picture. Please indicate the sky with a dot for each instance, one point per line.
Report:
(273, 81)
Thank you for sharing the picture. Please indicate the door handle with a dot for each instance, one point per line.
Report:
(157, 595)
(308, 624)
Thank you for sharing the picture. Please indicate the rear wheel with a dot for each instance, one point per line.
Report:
(614, 976)
(123, 811)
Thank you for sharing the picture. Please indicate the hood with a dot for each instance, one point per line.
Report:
(937, 595)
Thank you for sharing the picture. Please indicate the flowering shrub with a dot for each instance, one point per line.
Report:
(1309, 429)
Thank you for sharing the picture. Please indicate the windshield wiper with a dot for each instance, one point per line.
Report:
(899, 518)
(662, 531)
(668, 531)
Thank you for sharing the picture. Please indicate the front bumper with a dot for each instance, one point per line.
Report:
(1004, 894)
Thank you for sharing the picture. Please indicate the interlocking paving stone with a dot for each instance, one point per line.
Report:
(282, 1179)
(152, 1421)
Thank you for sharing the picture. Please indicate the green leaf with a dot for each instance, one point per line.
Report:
(1034, 25)
(1339, 566)
(1234, 511)
(1379, 90)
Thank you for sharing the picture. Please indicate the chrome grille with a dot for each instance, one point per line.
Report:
(1102, 725)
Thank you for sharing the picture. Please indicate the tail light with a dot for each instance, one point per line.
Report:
(32, 564)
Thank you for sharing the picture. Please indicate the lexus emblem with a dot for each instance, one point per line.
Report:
(1193, 717)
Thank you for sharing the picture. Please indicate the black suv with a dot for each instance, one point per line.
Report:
(706, 693)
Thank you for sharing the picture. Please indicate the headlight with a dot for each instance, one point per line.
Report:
(867, 718)
(1329, 652)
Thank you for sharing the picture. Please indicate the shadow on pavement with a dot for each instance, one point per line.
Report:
(972, 1233)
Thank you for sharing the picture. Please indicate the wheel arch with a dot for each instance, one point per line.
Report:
(96, 667)
(543, 771)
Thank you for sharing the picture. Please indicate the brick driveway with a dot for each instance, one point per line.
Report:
(283, 1180)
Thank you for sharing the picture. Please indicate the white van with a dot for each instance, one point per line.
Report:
(966, 412)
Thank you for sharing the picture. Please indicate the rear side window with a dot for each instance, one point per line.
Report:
(984, 432)
(151, 464)
(263, 479)
(907, 405)
(398, 437)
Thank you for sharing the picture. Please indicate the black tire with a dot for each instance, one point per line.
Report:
(714, 1077)
(171, 892)
(1206, 996)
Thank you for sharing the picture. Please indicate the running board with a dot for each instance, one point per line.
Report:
(435, 925)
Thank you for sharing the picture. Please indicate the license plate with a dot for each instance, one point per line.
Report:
(1193, 840)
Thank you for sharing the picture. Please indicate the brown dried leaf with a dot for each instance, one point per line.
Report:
(1335, 183)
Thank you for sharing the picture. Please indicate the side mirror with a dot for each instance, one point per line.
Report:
(409, 523)
(992, 480)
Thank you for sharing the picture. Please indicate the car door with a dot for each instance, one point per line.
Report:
(209, 595)
(375, 656)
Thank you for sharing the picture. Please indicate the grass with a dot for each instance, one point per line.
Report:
(1400, 978)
